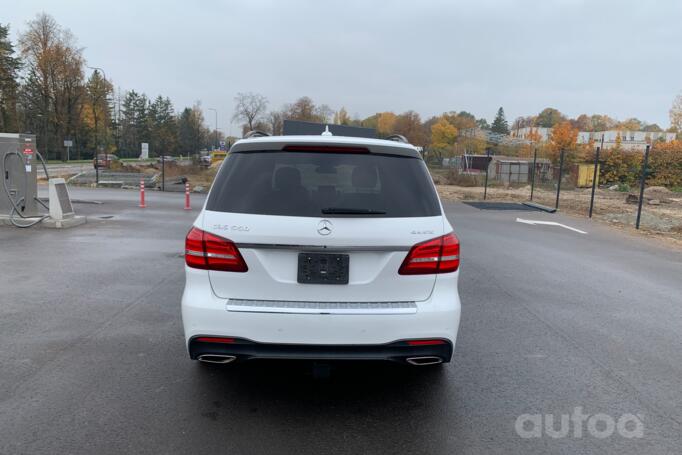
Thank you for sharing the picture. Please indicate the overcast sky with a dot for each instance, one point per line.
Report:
(620, 58)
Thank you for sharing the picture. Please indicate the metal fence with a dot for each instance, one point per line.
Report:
(558, 180)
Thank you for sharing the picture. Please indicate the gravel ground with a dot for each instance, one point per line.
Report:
(663, 220)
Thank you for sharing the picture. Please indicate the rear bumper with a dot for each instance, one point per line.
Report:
(284, 335)
(399, 351)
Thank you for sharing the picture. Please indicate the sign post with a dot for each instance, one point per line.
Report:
(144, 151)
(68, 143)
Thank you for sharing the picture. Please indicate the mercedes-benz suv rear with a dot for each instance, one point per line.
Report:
(321, 247)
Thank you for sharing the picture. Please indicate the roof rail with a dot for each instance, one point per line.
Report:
(397, 138)
(255, 133)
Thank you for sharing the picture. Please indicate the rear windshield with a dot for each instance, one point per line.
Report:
(315, 184)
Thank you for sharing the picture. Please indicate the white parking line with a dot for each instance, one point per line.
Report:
(549, 223)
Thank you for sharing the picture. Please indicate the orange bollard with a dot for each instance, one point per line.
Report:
(142, 194)
(187, 207)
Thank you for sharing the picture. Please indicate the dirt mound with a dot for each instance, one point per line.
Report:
(657, 189)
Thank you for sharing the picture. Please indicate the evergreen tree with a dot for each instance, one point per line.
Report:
(500, 124)
(192, 134)
(163, 127)
(9, 68)
(129, 136)
(135, 127)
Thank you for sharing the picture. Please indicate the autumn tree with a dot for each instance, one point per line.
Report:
(583, 123)
(409, 124)
(304, 109)
(665, 163)
(461, 120)
(96, 111)
(249, 108)
(386, 123)
(602, 122)
(500, 124)
(564, 137)
(443, 134)
(549, 117)
(368, 122)
(631, 124)
(54, 88)
(9, 73)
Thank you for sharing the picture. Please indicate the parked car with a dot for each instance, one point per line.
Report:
(167, 159)
(322, 247)
(103, 161)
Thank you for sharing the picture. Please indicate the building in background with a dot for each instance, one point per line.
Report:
(629, 140)
(532, 133)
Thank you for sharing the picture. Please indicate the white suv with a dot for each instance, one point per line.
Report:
(322, 247)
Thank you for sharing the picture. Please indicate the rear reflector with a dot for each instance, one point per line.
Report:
(325, 148)
(215, 340)
(439, 255)
(424, 342)
(210, 252)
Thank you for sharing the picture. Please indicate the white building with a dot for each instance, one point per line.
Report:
(629, 140)
(532, 132)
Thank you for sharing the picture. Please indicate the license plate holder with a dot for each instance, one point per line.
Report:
(323, 268)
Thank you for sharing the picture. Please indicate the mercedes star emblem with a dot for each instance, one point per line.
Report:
(324, 227)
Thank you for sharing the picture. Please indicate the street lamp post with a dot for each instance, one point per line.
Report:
(95, 68)
(216, 127)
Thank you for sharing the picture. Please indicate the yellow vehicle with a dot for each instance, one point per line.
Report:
(217, 156)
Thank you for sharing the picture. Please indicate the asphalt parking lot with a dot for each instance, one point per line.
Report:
(93, 357)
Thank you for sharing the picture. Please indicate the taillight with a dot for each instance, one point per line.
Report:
(439, 255)
(325, 148)
(424, 342)
(215, 340)
(210, 252)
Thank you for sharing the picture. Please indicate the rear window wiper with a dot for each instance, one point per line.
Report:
(351, 211)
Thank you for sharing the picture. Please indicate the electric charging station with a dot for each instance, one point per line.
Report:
(17, 153)
(19, 203)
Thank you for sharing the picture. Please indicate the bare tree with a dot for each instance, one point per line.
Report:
(249, 108)
(275, 119)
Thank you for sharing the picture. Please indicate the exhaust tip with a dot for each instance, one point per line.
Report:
(426, 360)
(216, 358)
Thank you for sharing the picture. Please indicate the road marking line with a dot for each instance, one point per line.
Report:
(549, 223)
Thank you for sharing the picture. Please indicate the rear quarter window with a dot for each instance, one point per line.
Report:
(307, 183)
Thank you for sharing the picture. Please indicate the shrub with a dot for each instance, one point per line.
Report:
(455, 178)
(621, 167)
(665, 164)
